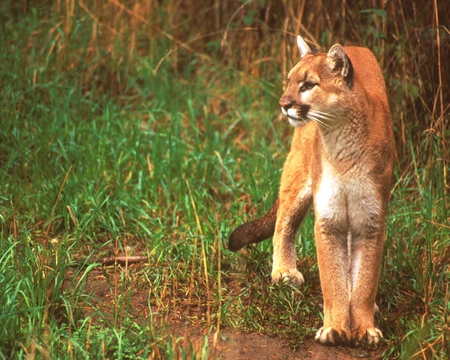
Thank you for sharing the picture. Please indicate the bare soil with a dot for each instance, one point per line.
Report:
(104, 285)
(233, 345)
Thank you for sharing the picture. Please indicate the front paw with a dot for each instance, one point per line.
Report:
(293, 276)
(332, 337)
(370, 335)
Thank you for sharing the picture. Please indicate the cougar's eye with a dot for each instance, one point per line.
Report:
(307, 85)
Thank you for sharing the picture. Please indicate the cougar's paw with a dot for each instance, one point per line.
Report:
(376, 309)
(332, 337)
(369, 335)
(292, 276)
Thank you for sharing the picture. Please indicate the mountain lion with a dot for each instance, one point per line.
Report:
(341, 160)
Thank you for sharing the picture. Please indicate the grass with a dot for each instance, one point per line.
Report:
(106, 150)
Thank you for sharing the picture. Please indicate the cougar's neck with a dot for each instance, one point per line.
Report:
(345, 143)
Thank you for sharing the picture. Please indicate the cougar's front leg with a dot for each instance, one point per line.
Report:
(332, 256)
(289, 217)
(366, 262)
(295, 199)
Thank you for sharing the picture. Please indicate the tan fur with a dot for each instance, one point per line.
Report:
(341, 160)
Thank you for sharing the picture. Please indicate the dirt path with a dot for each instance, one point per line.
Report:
(232, 345)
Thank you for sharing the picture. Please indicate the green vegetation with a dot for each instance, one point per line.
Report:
(139, 128)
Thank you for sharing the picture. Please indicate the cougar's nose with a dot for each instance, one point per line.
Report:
(285, 104)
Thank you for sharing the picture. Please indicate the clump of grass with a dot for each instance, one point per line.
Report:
(33, 299)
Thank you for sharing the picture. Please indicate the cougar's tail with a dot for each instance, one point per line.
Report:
(254, 231)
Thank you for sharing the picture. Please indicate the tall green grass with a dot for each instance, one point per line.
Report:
(125, 133)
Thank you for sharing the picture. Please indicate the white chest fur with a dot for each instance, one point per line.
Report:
(349, 200)
(349, 204)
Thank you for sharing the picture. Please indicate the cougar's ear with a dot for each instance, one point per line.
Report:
(339, 61)
(303, 47)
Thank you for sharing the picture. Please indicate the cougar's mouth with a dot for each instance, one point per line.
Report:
(294, 118)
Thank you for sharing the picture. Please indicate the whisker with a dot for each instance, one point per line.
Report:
(320, 112)
(318, 121)
(323, 115)
(320, 118)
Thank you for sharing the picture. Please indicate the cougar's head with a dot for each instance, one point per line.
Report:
(318, 87)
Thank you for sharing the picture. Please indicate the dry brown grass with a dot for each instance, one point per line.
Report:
(410, 38)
